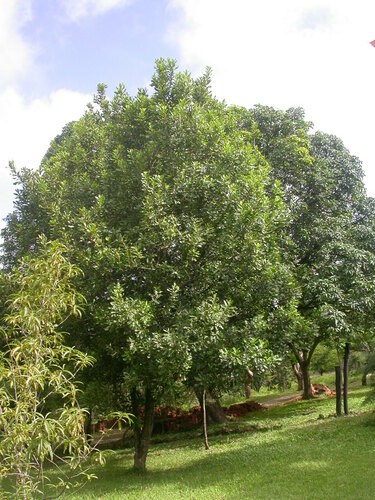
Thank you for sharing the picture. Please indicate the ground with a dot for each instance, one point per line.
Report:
(298, 450)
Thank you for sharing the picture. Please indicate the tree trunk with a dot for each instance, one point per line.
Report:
(247, 389)
(204, 421)
(304, 359)
(364, 378)
(214, 412)
(338, 390)
(346, 377)
(248, 377)
(308, 392)
(298, 373)
(142, 431)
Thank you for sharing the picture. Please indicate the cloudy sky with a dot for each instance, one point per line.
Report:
(310, 53)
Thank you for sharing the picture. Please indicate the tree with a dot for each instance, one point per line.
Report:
(40, 420)
(329, 238)
(170, 214)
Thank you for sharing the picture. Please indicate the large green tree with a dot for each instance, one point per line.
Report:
(168, 210)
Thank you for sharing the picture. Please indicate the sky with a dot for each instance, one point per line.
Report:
(309, 53)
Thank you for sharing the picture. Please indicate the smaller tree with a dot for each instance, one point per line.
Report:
(40, 419)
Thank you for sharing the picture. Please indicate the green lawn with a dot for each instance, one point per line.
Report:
(292, 454)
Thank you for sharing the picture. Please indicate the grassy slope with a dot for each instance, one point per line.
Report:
(292, 455)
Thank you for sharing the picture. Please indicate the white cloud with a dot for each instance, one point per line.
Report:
(314, 54)
(30, 126)
(26, 129)
(76, 9)
(15, 54)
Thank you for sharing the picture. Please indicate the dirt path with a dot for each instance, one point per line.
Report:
(113, 437)
(281, 400)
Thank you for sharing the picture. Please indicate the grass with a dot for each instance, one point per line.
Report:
(292, 454)
(296, 451)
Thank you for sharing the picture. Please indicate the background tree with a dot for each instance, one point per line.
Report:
(329, 239)
(324, 359)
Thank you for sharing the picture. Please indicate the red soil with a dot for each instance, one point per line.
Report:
(175, 419)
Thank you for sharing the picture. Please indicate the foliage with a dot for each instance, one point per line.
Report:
(330, 232)
(324, 359)
(369, 366)
(99, 398)
(168, 210)
(40, 420)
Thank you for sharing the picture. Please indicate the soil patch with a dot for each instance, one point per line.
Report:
(168, 419)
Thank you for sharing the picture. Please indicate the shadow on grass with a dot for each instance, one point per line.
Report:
(305, 455)
(312, 462)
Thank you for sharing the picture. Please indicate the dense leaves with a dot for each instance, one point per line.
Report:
(330, 233)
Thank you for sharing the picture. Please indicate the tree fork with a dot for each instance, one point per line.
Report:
(214, 411)
(304, 358)
(299, 375)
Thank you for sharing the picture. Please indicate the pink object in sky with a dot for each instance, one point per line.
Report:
(373, 43)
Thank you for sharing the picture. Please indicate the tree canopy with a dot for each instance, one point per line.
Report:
(170, 213)
(329, 230)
